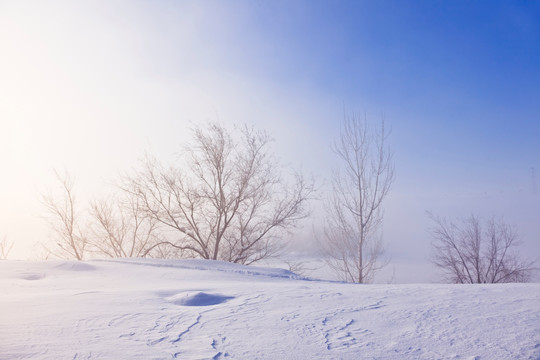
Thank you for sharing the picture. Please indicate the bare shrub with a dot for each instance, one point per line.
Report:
(471, 252)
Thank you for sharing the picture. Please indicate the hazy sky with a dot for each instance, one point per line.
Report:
(90, 85)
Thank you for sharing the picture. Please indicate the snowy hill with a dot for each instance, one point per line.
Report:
(194, 309)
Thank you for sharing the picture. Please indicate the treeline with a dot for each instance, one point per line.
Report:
(228, 198)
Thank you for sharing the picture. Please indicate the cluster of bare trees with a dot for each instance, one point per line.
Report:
(226, 199)
(468, 253)
(351, 241)
(116, 227)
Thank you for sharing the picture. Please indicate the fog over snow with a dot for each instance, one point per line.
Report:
(90, 86)
(199, 309)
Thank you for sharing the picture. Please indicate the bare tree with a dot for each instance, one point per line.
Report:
(471, 252)
(121, 228)
(351, 241)
(5, 248)
(64, 220)
(225, 200)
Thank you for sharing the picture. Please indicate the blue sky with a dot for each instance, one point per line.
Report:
(89, 86)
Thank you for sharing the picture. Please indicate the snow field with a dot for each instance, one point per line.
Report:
(194, 309)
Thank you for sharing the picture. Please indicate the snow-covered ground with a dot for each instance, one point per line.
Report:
(194, 309)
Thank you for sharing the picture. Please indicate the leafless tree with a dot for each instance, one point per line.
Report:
(472, 252)
(121, 228)
(64, 220)
(351, 240)
(5, 248)
(226, 199)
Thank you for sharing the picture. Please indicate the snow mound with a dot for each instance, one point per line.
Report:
(200, 299)
(31, 276)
